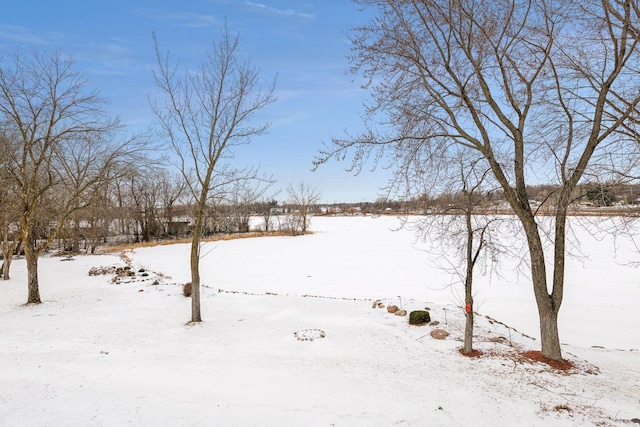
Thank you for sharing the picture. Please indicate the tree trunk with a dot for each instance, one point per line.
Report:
(549, 331)
(6, 263)
(169, 211)
(7, 250)
(468, 285)
(303, 214)
(547, 310)
(31, 256)
(468, 327)
(75, 241)
(195, 276)
(195, 256)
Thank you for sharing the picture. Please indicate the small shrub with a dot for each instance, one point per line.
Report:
(97, 271)
(419, 317)
(124, 272)
(186, 289)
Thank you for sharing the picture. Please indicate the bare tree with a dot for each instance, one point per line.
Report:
(98, 218)
(243, 198)
(454, 225)
(207, 113)
(266, 208)
(146, 196)
(172, 189)
(61, 144)
(535, 87)
(302, 197)
(465, 227)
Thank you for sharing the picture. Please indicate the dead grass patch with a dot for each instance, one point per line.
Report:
(253, 234)
(561, 365)
(474, 353)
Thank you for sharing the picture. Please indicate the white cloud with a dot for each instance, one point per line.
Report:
(182, 19)
(275, 11)
(27, 36)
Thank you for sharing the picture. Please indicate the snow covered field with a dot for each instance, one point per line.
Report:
(105, 354)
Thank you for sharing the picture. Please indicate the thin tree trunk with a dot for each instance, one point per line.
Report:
(468, 284)
(304, 220)
(195, 255)
(468, 327)
(7, 250)
(195, 276)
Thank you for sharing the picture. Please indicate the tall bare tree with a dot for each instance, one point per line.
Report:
(462, 225)
(538, 88)
(207, 113)
(61, 143)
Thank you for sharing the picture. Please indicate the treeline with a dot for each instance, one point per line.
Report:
(148, 204)
(618, 197)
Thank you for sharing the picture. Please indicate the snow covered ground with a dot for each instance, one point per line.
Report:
(105, 354)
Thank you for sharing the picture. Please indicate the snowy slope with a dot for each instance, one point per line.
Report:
(105, 354)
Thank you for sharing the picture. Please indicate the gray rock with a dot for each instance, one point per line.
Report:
(439, 334)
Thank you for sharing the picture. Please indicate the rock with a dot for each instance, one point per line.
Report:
(401, 313)
(434, 323)
(375, 303)
(186, 289)
(439, 334)
(380, 305)
(419, 317)
(392, 308)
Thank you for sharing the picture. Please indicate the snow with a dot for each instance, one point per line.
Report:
(106, 354)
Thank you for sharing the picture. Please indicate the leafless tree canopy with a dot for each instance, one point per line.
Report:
(542, 90)
(61, 146)
(206, 114)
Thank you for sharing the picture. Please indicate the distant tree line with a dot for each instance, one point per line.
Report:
(543, 198)
(146, 204)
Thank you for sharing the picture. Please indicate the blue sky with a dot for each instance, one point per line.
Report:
(303, 42)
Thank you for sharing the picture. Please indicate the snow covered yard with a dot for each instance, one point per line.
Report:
(99, 353)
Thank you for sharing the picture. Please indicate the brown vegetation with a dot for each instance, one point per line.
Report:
(131, 246)
(561, 365)
(473, 353)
